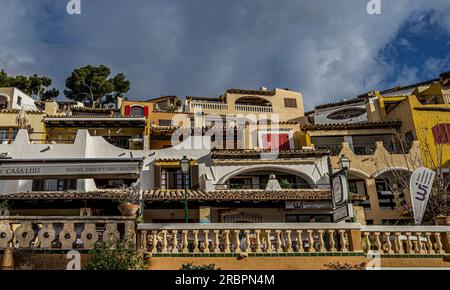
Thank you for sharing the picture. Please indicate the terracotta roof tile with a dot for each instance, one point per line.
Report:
(359, 125)
(178, 194)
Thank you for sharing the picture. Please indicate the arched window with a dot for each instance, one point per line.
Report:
(347, 114)
(137, 111)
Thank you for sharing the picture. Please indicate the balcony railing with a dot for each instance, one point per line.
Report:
(361, 148)
(292, 238)
(208, 106)
(252, 108)
(334, 149)
(63, 233)
(227, 186)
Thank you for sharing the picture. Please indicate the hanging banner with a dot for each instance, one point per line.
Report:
(420, 185)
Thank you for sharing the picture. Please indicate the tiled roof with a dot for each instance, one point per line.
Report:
(244, 194)
(255, 154)
(359, 125)
(250, 92)
(7, 111)
(93, 110)
(438, 109)
(178, 195)
(212, 99)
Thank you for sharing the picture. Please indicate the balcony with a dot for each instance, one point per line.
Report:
(202, 105)
(253, 109)
(208, 106)
(292, 238)
(360, 148)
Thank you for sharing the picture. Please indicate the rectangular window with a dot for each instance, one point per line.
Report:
(54, 184)
(167, 123)
(19, 101)
(290, 103)
(7, 135)
(172, 178)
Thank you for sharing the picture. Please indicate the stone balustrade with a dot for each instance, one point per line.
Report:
(242, 238)
(253, 108)
(406, 239)
(63, 233)
(208, 105)
(292, 238)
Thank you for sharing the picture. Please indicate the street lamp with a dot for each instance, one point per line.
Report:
(344, 165)
(184, 163)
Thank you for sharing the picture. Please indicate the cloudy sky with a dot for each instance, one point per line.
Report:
(328, 50)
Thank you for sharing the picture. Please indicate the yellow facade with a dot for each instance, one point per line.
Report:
(418, 121)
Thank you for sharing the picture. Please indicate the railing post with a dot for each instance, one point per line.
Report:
(355, 240)
(445, 242)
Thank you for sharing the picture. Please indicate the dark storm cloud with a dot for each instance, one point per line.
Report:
(325, 49)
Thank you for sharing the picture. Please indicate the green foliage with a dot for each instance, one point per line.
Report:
(122, 257)
(35, 86)
(191, 266)
(286, 184)
(93, 86)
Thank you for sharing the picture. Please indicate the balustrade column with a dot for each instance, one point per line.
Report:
(175, 241)
(206, 243)
(300, 247)
(216, 242)
(185, 241)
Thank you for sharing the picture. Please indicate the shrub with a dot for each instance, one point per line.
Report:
(191, 266)
(122, 257)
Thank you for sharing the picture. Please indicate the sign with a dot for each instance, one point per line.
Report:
(339, 189)
(420, 185)
(340, 213)
(67, 169)
(308, 205)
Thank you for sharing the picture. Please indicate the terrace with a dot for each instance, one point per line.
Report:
(253, 244)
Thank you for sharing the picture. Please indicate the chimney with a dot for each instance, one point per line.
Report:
(51, 108)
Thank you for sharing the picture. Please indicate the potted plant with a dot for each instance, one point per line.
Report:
(130, 204)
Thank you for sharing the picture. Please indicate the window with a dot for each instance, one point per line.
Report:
(172, 178)
(19, 101)
(347, 114)
(441, 134)
(3, 103)
(137, 111)
(270, 142)
(386, 198)
(163, 122)
(54, 184)
(290, 103)
(7, 135)
(409, 138)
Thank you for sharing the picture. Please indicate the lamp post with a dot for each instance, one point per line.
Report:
(184, 163)
(344, 166)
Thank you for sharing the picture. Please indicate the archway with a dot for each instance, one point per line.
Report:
(257, 178)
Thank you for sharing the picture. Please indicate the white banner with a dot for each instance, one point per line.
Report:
(420, 186)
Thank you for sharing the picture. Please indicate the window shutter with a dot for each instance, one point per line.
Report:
(146, 111)
(157, 176)
(284, 142)
(194, 177)
(441, 134)
(127, 110)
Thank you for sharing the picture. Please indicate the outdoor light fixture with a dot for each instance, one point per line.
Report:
(344, 163)
(184, 163)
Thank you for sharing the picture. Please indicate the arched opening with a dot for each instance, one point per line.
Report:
(4, 102)
(253, 101)
(391, 186)
(137, 111)
(258, 179)
(347, 113)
